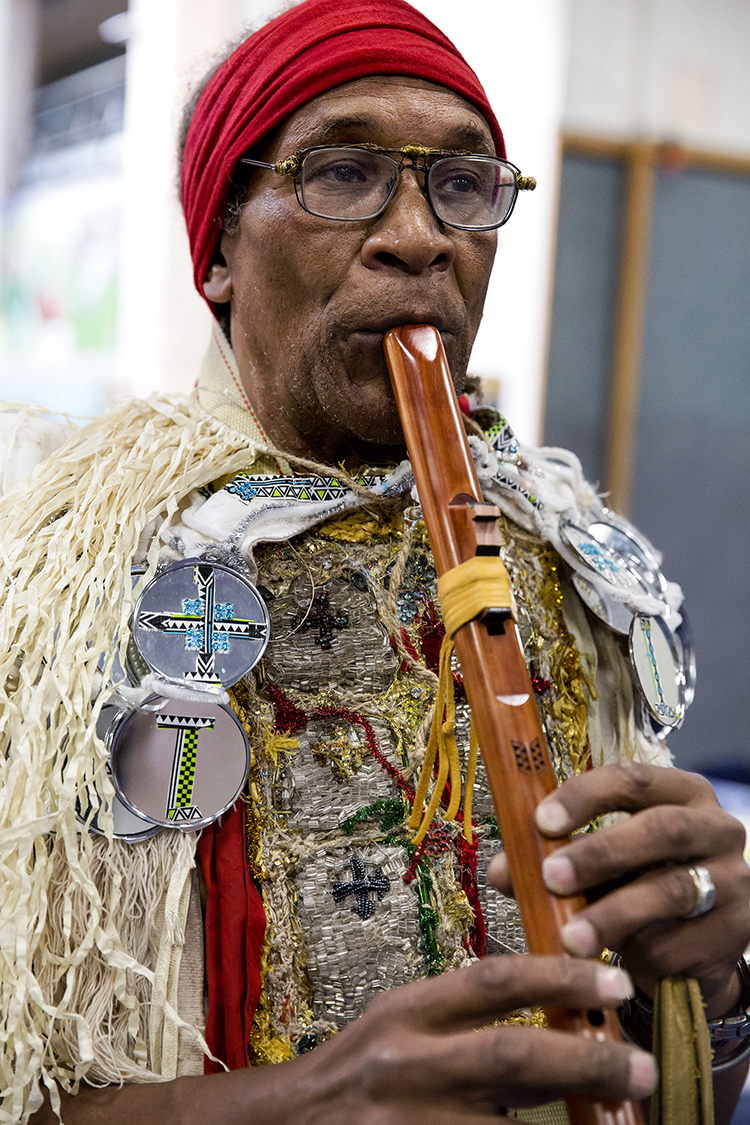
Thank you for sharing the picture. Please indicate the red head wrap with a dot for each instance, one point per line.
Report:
(313, 47)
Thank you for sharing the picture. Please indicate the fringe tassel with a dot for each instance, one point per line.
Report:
(163, 1031)
(465, 592)
(682, 1047)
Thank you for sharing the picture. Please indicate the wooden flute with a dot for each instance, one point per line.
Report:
(513, 746)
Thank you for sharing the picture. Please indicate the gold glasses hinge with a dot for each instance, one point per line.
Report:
(289, 166)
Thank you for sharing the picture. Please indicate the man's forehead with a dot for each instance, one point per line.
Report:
(374, 109)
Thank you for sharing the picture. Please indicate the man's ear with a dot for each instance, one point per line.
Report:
(217, 287)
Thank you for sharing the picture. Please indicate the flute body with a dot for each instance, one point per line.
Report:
(512, 742)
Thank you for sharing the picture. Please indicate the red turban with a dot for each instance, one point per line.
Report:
(313, 47)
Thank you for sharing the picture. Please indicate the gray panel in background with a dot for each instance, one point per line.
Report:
(692, 476)
(582, 312)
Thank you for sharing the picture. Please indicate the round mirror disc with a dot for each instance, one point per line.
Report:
(612, 613)
(180, 764)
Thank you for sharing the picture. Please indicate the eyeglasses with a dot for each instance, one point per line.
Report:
(352, 182)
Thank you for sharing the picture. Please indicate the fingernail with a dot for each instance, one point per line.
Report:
(551, 816)
(643, 1074)
(579, 938)
(614, 984)
(558, 874)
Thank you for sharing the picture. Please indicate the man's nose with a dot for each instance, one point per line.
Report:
(408, 235)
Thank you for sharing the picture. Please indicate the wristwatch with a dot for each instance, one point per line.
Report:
(735, 1027)
(636, 1018)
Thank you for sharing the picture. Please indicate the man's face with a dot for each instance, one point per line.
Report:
(311, 298)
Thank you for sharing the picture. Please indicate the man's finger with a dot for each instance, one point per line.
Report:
(491, 988)
(694, 948)
(498, 874)
(668, 834)
(666, 895)
(625, 787)
(521, 1066)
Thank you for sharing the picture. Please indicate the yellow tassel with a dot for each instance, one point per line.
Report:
(465, 592)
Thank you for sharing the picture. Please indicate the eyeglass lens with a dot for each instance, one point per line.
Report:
(465, 191)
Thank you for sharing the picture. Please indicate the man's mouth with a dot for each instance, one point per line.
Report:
(369, 335)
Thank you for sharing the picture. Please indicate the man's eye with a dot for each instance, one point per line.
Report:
(338, 172)
(459, 183)
(346, 173)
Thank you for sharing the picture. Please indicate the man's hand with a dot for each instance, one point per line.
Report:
(635, 875)
(423, 1054)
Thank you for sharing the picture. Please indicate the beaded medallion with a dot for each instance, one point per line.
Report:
(179, 764)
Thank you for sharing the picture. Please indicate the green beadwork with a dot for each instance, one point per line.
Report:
(389, 811)
(427, 918)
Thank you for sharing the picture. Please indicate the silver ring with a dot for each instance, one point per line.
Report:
(704, 885)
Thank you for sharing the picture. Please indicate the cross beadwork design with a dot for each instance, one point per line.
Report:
(320, 616)
(180, 800)
(207, 626)
(362, 887)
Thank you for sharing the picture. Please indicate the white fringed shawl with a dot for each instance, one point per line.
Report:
(76, 913)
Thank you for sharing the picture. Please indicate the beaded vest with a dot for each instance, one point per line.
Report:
(339, 722)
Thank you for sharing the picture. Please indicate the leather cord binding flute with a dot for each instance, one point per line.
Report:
(463, 531)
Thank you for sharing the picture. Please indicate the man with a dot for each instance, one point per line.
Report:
(102, 934)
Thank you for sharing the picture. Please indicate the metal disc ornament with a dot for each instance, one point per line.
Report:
(683, 639)
(180, 764)
(683, 636)
(612, 613)
(200, 624)
(128, 826)
(594, 557)
(658, 670)
(637, 554)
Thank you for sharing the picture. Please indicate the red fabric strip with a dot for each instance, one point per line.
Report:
(234, 931)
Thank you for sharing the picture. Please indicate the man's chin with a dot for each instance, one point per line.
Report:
(354, 389)
(378, 428)
(362, 386)
(370, 430)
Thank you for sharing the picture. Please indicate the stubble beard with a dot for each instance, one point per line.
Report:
(367, 425)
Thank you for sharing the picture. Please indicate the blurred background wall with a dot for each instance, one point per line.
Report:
(617, 323)
(649, 362)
